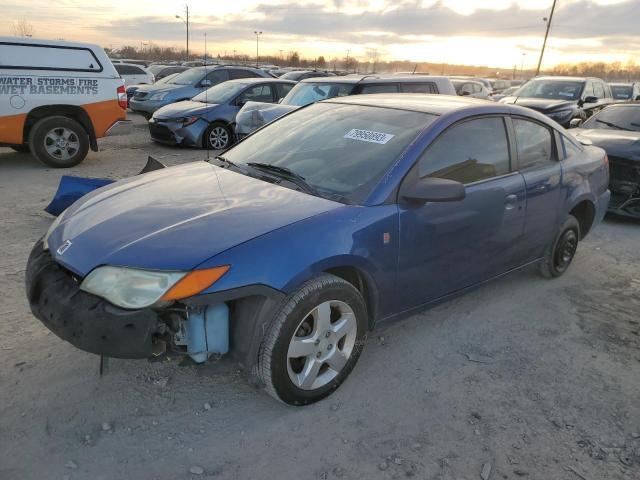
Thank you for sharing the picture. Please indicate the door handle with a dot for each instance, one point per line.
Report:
(510, 202)
(541, 188)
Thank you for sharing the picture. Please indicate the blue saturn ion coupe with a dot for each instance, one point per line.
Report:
(287, 249)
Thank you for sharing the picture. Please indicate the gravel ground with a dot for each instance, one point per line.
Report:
(522, 378)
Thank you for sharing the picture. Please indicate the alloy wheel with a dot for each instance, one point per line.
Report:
(61, 143)
(322, 345)
(218, 138)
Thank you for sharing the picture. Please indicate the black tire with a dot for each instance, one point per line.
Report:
(24, 148)
(70, 156)
(206, 144)
(273, 362)
(560, 253)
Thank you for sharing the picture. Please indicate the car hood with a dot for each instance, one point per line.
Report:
(247, 121)
(540, 104)
(617, 143)
(175, 218)
(184, 108)
(163, 87)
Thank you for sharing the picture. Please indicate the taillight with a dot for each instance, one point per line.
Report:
(122, 97)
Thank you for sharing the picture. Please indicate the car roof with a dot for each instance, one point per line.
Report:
(466, 80)
(621, 84)
(565, 79)
(439, 104)
(250, 80)
(375, 79)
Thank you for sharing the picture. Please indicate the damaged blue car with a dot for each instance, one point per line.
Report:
(289, 248)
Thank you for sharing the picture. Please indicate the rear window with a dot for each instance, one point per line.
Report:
(24, 56)
(426, 87)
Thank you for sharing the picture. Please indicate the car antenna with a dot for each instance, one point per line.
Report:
(205, 92)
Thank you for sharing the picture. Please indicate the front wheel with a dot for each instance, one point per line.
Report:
(314, 341)
(217, 137)
(560, 253)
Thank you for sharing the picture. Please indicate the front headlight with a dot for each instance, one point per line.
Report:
(186, 121)
(159, 96)
(54, 225)
(135, 288)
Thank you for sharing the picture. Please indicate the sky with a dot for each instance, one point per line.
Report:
(500, 33)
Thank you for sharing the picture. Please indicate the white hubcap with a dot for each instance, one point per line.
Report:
(322, 345)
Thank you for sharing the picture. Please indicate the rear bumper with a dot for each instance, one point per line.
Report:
(84, 320)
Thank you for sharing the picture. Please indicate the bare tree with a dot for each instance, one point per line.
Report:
(22, 28)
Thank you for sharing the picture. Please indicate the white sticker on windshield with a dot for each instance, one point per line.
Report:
(367, 136)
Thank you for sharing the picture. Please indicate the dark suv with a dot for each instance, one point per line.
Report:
(563, 98)
(188, 84)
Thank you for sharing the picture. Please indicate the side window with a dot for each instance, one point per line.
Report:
(466, 89)
(598, 90)
(462, 152)
(570, 147)
(126, 69)
(217, 76)
(283, 89)
(588, 90)
(259, 93)
(476, 88)
(138, 71)
(384, 88)
(534, 144)
(427, 87)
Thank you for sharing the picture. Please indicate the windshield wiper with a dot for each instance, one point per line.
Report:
(287, 174)
(613, 125)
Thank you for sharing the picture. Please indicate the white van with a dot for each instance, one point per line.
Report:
(57, 98)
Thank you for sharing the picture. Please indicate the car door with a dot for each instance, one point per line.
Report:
(445, 247)
(538, 162)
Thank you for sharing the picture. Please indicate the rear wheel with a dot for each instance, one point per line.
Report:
(59, 142)
(217, 136)
(314, 341)
(560, 253)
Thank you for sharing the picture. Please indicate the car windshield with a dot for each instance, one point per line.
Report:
(220, 93)
(340, 150)
(622, 92)
(188, 77)
(305, 93)
(616, 118)
(552, 89)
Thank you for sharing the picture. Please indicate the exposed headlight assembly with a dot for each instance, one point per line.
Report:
(561, 114)
(134, 288)
(186, 121)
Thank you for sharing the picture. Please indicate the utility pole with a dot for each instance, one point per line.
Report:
(186, 21)
(546, 34)
(257, 33)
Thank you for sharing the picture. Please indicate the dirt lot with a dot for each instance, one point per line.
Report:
(523, 378)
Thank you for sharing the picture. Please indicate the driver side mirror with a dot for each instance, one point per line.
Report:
(575, 123)
(430, 189)
(206, 83)
(590, 99)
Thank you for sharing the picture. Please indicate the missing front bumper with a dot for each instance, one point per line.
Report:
(84, 320)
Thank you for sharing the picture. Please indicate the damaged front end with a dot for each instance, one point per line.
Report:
(624, 184)
(94, 325)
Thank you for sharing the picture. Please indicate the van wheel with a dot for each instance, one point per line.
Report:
(24, 148)
(314, 341)
(59, 142)
(560, 253)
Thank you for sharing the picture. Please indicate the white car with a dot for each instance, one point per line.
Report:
(471, 88)
(134, 74)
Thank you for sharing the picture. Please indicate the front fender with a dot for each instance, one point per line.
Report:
(351, 236)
